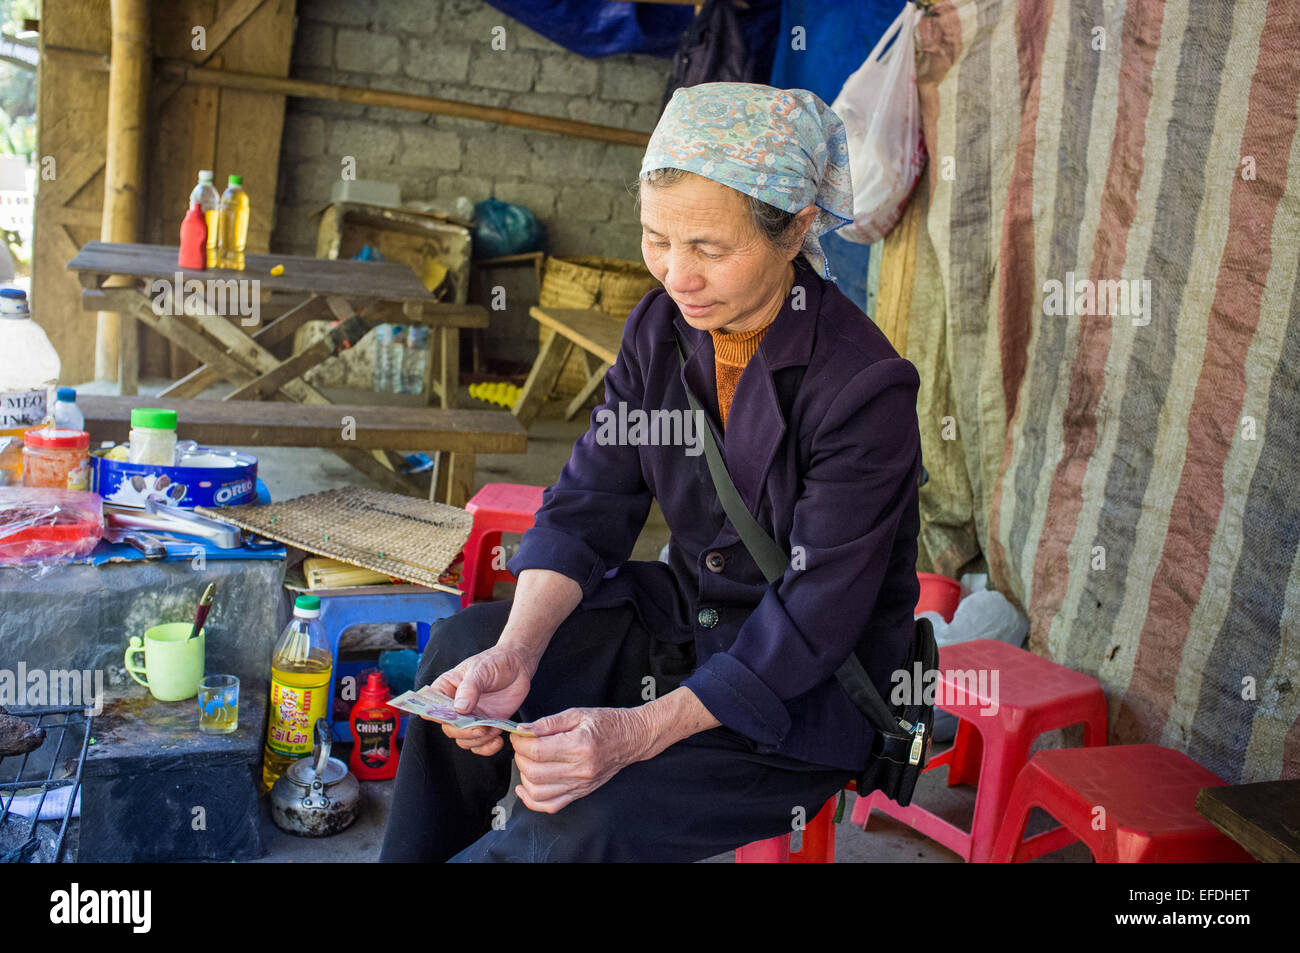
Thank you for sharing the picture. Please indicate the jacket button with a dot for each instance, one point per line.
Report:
(715, 561)
(708, 618)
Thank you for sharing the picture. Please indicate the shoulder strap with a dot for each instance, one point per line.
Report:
(772, 561)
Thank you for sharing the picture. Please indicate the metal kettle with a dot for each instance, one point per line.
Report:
(316, 796)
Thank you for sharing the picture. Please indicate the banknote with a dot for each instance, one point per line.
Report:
(435, 705)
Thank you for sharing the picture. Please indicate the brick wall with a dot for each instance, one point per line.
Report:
(443, 48)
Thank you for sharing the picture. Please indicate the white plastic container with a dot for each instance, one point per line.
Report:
(153, 437)
(29, 367)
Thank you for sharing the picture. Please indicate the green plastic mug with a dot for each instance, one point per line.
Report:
(173, 662)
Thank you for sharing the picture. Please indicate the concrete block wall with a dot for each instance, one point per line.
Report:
(578, 188)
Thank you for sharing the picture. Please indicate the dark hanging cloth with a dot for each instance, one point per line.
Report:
(726, 45)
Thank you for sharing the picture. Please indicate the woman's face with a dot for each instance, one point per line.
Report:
(699, 242)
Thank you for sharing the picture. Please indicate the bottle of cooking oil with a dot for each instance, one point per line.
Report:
(301, 666)
(234, 224)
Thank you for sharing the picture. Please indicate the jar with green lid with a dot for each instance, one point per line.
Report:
(153, 437)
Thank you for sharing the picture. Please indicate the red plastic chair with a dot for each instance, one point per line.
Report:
(498, 508)
(1032, 695)
(818, 843)
(1142, 797)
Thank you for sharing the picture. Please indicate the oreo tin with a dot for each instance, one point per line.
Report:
(203, 476)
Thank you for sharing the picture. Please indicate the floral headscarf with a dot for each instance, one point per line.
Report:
(784, 147)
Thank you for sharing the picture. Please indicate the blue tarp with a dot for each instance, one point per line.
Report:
(839, 34)
(597, 28)
(838, 37)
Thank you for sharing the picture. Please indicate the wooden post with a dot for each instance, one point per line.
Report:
(117, 346)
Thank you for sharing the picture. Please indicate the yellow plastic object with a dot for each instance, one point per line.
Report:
(278, 270)
(433, 274)
(495, 392)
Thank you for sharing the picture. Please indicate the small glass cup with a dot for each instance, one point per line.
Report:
(219, 704)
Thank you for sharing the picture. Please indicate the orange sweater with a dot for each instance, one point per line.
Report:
(731, 352)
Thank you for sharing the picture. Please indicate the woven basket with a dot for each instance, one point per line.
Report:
(612, 285)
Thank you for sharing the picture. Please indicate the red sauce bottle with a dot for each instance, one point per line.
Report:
(374, 732)
(193, 255)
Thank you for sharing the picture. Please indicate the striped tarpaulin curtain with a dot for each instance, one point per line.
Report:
(1106, 317)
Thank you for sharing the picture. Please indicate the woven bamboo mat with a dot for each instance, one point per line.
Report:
(412, 539)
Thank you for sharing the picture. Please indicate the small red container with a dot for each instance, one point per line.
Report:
(194, 240)
(938, 594)
(374, 730)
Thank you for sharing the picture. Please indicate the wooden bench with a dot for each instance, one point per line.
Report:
(1263, 817)
(595, 332)
(455, 435)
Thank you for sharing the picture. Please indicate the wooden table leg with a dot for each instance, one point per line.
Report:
(199, 380)
(248, 353)
(453, 481)
(128, 355)
(595, 380)
(448, 364)
(139, 306)
(541, 379)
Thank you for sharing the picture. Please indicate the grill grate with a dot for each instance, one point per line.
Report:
(24, 839)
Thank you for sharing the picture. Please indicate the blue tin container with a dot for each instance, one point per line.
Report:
(223, 478)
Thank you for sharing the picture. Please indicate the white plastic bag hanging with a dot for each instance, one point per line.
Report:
(882, 119)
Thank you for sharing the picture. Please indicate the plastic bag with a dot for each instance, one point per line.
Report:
(984, 614)
(882, 119)
(987, 614)
(42, 527)
(504, 229)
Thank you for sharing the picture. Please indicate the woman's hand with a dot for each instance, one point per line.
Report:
(494, 683)
(577, 751)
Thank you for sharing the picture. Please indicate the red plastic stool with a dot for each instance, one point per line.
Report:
(818, 843)
(1148, 794)
(1032, 695)
(498, 508)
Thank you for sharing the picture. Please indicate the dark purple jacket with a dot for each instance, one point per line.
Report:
(835, 484)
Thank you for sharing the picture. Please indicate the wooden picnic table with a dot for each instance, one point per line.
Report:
(372, 293)
(456, 435)
(140, 282)
(1264, 818)
(595, 332)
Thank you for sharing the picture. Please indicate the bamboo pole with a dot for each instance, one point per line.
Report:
(227, 79)
(117, 347)
(179, 69)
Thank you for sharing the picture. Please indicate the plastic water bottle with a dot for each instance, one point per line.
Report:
(415, 359)
(205, 193)
(383, 356)
(29, 367)
(398, 350)
(67, 415)
(390, 345)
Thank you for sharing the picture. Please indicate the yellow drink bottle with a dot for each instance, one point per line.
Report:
(233, 227)
(301, 666)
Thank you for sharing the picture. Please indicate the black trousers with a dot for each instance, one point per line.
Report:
(705, 795)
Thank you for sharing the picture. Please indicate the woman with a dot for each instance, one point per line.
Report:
(686, 708)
